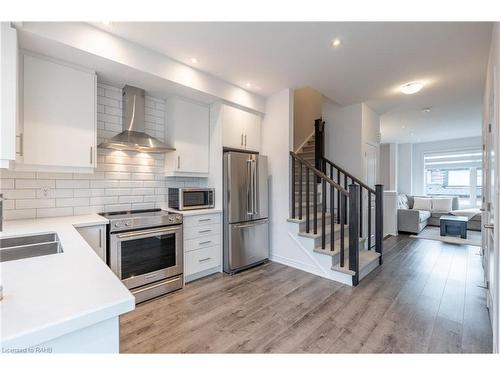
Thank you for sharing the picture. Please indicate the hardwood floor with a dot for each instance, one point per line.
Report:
(426, 298)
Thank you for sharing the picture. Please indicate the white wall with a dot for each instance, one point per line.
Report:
(343, 137)
(277, 142)
(123, 180)
(389, 166)
(419, 149)
(493, 73)
(405, 165)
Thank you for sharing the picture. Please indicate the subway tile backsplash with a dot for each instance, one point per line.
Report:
(122, 180)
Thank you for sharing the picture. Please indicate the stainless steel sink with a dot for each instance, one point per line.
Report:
(29, 246)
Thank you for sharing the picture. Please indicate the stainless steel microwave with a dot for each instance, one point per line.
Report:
(191, 198)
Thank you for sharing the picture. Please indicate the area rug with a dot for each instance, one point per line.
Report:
(432, 233)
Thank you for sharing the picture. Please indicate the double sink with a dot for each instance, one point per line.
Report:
(14, 248)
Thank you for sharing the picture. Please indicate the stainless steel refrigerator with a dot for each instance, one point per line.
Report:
(246, 224)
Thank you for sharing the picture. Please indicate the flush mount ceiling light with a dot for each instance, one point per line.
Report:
(426, 110)
(411, 88)
(336, 43)
(193, 60)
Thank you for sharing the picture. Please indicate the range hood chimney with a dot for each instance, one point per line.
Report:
(133, 137)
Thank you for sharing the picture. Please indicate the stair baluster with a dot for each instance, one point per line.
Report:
(307, 200)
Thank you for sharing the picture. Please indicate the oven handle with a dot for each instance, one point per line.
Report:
(144, 232)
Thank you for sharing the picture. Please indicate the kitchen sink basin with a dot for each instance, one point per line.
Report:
(14, 248)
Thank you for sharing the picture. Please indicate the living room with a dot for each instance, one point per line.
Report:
(434, 181)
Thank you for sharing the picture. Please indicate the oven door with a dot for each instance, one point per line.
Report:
(145, 256)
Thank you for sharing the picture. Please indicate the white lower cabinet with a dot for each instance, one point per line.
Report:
(202, 245)
(95, 236)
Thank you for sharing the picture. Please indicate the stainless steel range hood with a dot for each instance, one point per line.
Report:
(133, 137)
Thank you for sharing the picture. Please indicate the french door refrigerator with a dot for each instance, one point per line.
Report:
(246, 224)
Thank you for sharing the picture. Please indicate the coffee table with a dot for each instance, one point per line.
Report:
(453, 225)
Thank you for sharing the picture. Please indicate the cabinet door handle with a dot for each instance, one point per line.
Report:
(100, 238)
(21, 144)
(178, 162)
(241, 139)
(91, 155)
(245, 140)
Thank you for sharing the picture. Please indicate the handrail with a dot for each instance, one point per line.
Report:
(319, 173)
(354, 179)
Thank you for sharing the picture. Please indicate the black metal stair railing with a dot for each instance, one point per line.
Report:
(374, 196)
(303, 171)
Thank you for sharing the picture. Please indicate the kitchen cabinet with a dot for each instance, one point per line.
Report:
(240, 129)
(57, 127)
(187, 130)
(202, 245)
(95, 236)
(8, 93)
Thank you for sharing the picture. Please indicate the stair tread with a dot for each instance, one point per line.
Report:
(303, 220)
(365, 258)
(319, 234)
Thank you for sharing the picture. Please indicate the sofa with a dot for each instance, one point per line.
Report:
(412, 220)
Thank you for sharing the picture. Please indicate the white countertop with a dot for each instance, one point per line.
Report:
(204, 211)
(48, 296)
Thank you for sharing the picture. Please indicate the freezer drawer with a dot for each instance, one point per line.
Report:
(247, 244)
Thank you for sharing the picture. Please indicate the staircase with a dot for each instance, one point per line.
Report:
(336, 217)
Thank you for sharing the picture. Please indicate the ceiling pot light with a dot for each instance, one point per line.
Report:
(411, 87)
(336, 43)
(248, 84)
(193, 60)
(403, 126)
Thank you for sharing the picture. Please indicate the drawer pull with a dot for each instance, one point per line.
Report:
(204, 259)
(205, 231)
(202, 220)
(204, 242)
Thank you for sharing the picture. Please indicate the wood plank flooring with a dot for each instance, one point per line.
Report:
(426, 298)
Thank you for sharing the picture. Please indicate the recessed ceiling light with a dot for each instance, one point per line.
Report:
(248, 84)
(403, 126)
(336, 43)
(426, 110)
(411, 87)
(193, 60)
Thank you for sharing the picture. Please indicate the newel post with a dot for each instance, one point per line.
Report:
(354, 232)
(379, 219)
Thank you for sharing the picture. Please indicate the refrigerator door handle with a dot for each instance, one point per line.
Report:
(254, 187)
(249, 188)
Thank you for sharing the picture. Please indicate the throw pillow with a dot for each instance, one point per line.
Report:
(442, 204)
(422, 204)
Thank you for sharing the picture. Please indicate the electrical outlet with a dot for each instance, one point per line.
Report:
(45, 191)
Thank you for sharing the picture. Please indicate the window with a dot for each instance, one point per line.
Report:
(456, 173)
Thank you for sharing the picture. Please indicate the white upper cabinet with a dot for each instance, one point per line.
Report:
(8, 93)
(58, 116)
(188, 131)
(240, 129)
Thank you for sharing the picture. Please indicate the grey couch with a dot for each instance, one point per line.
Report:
(413, 221)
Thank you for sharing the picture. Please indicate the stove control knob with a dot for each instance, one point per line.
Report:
(127, 224)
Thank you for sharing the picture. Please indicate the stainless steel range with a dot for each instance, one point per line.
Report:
(145, 251)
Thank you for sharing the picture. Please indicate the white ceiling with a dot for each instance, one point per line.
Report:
(372, 62)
